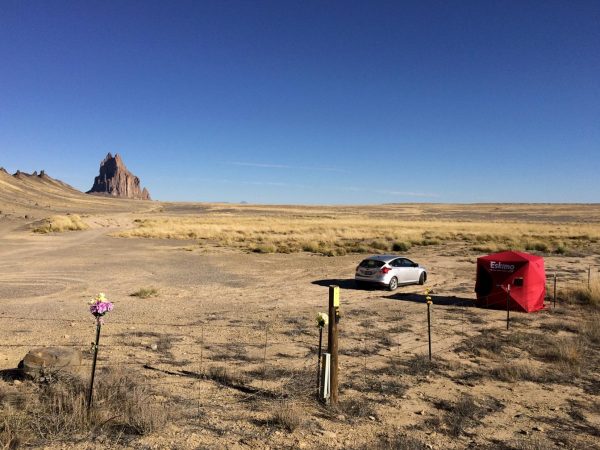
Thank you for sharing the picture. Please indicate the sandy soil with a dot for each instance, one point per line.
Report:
(254, 314)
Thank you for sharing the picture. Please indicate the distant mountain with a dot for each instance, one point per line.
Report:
(38, 195)
(115, 180)
(30, 193)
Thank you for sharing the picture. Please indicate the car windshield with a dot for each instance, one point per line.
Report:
(371, 264)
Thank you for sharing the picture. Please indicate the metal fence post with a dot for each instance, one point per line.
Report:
(93, 375)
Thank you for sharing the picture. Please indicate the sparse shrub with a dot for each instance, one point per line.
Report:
(356, 407)
(565, 352)
(312, 247)
(584, 294)
(537, 246)
(419, 365)
(57, 411)
(221, 375)
(380, 245)
(288, 416)
(590, 329)
(145, 293)
(264, 248)
(401, 246)
(58, 224)
(462, 414)
(394, 440)
(511, 371)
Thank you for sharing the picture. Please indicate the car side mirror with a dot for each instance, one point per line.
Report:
(415, 265)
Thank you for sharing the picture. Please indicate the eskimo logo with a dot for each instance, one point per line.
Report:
(501, 266)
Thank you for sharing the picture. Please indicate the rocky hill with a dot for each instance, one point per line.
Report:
(115, 180)
(38, 195)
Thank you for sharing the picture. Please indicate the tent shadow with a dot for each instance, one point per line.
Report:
(443, 300)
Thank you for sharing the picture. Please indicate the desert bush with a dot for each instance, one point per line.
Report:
(221, 375)
(287, 416)
(380, 245)
(589, 295)
(58, 224)
(510, 371)
(264, 248)
(358, 407)
(566, 352)
(393, 440)
(590, 329)
(401, 246)
(419, 365)
(58, 410)
(539, 246)
(461, 414)
(145, 293)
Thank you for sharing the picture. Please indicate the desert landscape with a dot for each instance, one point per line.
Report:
(212, 342)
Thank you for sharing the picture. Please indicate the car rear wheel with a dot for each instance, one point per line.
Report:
(393, 284)
(423, 278)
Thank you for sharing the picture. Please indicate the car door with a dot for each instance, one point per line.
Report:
(412, 272)
(399, 270)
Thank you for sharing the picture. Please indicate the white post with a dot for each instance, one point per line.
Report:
(326, 378)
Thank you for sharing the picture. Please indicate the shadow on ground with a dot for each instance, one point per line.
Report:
(444, 300)
(342, 283)
(11, 375)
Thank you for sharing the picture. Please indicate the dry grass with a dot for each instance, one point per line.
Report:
(358, 230)
(511, 371)
(589, 295)
(393, 440)
(59, 224)
(566, 352)
(288, 416)
(37, 414)
(145, 293)
(357, 407)
(590, 329)
(465, 412)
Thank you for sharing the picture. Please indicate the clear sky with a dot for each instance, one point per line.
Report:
(308, 101)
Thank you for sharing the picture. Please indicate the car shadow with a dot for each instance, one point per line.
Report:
(347, 283)
(443, 300)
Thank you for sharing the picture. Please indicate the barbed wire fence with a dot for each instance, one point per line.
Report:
(277, 360)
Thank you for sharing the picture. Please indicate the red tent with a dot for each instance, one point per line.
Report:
(524, 272)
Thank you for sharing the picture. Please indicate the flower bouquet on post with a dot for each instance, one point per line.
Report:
(99, 306)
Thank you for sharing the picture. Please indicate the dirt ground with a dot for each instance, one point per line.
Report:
(254, 315)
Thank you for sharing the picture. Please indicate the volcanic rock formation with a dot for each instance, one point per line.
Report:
(116, 180)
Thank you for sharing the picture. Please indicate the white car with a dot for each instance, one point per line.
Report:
(390, 271)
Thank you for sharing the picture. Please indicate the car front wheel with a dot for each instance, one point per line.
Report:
(422, 278)
(393, 284)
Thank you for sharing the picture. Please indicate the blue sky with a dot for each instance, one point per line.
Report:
(308, 101)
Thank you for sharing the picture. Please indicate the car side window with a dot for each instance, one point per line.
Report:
(407, 263)
(396, 263)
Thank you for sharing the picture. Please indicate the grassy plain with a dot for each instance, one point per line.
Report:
(337, 231)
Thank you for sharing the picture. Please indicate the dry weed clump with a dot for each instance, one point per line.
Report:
(288, 416)
(463, 413)
(58, 224)
(357, 407)
(590, 329)
(145, 293)
(57, 410)
(588, 295)
(511, 371)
